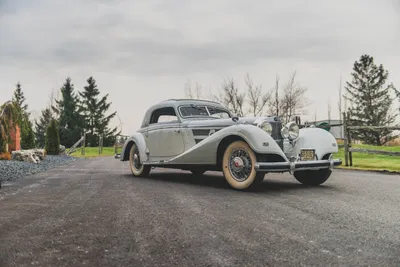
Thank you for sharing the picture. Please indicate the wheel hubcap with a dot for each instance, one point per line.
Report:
(240, 165)
(136, 159)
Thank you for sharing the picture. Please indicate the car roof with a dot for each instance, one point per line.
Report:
(183, 101)
(176, 102)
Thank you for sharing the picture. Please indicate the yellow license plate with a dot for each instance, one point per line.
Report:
(307, 154)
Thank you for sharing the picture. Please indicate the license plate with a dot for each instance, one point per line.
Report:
(307, 154)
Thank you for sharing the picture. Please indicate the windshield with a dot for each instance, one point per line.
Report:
(203, 111)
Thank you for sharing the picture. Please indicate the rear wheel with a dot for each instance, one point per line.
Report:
(136, 166)
(238, 166)
(312, 177)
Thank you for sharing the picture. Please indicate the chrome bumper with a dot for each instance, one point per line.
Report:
(296, 165)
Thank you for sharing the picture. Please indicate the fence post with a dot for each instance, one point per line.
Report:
(102, 141)
(83, 144)
(346, 148)
(115, 145)
(349, 145)
(99, 148)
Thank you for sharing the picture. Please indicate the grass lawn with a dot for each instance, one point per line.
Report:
(92, 152)
(366, 161)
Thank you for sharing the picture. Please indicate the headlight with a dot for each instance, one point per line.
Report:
(290, 131)
(265, 126)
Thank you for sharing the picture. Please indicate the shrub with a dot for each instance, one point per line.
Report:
(52, 146)
(27, 135)
(5, 156)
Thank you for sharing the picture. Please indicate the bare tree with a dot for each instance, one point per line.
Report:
(275, 101)
(231, 97)
(329, 111)
(257, 98)
(193, 93)
(293, 99)
(53, 106)
(315, 115)
(340, 105)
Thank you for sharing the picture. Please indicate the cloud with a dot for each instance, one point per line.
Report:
(180, 39)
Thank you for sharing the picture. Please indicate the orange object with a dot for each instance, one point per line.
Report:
(5, 156)
(15, 139)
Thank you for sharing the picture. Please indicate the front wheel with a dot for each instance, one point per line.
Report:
(136, 166)
(238, 166)
(312, 177)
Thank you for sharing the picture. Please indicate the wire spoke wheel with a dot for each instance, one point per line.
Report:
(238, 166)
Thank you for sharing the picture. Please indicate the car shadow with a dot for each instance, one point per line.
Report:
(216, 180)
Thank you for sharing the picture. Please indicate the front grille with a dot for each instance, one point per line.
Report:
(276, 132)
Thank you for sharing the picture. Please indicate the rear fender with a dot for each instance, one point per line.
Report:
(139, 140)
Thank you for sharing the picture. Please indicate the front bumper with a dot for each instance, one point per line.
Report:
(296, 165)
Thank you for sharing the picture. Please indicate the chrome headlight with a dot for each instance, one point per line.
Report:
(265, 126)
(290, 131)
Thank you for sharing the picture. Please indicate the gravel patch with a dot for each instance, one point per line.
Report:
(12, 170)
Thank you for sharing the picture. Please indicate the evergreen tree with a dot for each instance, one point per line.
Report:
(70, 120)
(370, 100)
(27, 135)
(52, 138)
(41, 127)
(94, 110)
(19, 103)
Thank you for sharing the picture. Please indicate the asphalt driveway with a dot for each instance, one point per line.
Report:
(94, 213)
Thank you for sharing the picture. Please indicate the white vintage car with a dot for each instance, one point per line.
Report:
(200, 136)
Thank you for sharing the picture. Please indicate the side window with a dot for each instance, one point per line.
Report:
(166, 114)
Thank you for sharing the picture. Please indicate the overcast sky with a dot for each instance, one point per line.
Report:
(142, 52)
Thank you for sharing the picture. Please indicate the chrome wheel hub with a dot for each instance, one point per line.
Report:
(240, 165)
(136, 159)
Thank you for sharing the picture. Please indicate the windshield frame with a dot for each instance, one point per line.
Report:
(207, 107)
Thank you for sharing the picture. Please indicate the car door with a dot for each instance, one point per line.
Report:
(164, 137)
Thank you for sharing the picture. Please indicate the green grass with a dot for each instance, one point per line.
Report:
(93, 152)
(364, 161)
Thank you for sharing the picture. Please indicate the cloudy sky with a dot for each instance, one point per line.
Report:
(142, 52)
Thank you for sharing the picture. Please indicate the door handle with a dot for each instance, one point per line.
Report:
(177, 131)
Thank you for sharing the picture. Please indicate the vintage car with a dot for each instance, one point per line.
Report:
(201, 135)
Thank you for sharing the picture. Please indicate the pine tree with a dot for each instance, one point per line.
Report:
(94, 110)
(370, 100)
(52, 139)
(41, 127)
(19, 103)
(27, 134)
(70, 120)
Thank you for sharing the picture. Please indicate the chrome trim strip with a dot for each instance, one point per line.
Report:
(296, 166)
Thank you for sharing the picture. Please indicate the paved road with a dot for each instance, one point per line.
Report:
(97, 214)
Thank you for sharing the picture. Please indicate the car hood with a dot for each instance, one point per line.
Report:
(210, 122)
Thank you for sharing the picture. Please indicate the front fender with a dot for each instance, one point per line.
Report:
(139, 140)
(205, 152)
(315, 138)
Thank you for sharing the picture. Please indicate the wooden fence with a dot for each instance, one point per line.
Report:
(348, 149)
(118, 145)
